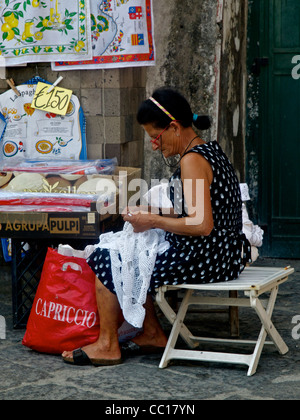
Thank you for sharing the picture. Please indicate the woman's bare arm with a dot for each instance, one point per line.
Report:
(197, 176)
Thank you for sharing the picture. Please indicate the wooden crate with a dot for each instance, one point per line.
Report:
(123, 177)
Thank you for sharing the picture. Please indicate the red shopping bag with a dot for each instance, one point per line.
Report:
(64, 314)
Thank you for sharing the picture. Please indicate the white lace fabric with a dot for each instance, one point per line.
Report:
(133, 257)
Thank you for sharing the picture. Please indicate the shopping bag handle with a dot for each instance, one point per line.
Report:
(72, 265)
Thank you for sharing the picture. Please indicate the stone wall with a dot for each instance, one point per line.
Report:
(232, 107)
(201, 50)
(186, 35)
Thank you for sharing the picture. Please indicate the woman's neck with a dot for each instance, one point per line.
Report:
(190, 140)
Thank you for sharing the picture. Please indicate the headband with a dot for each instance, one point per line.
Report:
(162, 108)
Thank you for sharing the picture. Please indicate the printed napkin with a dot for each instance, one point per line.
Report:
(122, 36)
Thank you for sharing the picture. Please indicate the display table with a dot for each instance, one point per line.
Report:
(32, 234)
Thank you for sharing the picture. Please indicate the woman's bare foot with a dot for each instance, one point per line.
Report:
(153, 338)
(153, 334)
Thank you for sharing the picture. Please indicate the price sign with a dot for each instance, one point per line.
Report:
(56, 102)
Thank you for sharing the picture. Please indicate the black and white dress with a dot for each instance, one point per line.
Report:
(219, 257)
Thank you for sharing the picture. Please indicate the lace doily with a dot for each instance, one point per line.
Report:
(133, 257)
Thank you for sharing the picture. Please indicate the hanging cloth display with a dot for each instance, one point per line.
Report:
(122, 36)
(39, 31)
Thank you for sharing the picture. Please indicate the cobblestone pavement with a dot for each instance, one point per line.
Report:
(27, 375)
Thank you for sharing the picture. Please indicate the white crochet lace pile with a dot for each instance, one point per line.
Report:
(132, 274)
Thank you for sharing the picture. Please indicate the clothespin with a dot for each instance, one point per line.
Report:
(11, 84)
(55, 84)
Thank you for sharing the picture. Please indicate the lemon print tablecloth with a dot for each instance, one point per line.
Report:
(44, 30)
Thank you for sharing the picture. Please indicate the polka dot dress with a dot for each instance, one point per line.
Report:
(205, 259)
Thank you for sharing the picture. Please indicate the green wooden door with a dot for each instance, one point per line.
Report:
(273, 141)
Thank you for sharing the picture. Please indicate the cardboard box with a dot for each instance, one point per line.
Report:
(50, 225)
(76, 225)
(128, 183)
(123, 182)
(64, 184)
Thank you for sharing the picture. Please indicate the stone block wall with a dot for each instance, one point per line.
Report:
(186, 35)
(201, 51)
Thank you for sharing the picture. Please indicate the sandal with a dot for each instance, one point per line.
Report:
(80, 358)
(130, 349)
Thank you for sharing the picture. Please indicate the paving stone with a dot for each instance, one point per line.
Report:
(28, 375)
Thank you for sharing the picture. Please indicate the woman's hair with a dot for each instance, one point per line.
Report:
(176, 105)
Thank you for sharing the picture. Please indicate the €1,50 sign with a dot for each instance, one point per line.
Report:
(56, 101)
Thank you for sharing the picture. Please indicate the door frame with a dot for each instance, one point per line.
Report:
(256, 132)
(280, 239)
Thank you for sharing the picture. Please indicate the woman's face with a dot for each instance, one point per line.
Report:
(162, 139)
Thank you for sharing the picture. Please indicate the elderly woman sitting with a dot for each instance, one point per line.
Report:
(204, 228)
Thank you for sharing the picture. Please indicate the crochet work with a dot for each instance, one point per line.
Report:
(133, 257)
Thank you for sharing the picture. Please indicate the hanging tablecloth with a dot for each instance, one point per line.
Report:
(122, 36)
(36, 30)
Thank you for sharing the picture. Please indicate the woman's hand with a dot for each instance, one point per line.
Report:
(140, 220)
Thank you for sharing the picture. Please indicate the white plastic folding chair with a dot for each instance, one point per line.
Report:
(254, 282)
